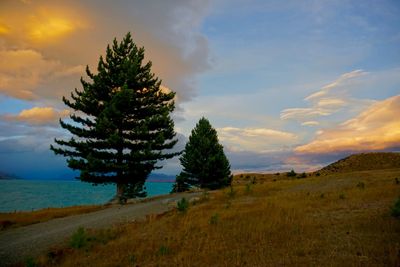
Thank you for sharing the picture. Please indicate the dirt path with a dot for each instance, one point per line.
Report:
(29, 241)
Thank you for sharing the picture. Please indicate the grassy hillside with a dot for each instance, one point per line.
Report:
(364, 162)
(340, 219)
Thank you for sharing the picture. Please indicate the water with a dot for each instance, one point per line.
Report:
(27, 195)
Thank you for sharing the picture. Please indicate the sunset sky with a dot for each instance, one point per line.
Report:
(287, 84)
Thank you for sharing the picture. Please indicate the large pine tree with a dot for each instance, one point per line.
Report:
(121, 124)
(203, 160)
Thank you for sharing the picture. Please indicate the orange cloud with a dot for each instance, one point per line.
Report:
(38, 115)
(376, 128)
(255, 139)
(24, 72)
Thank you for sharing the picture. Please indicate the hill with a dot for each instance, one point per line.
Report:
(364, 162)
(7, 176)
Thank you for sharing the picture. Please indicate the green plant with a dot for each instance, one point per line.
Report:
(396, 208)
(163, 250)
(292, 173)
(30, 262)
(79, 238)
(231, 192)
(361, 185)
(248, 189)
(182, 205)
(303, 175)
(214, 218)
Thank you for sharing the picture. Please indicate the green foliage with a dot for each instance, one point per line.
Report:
(183, 205)
(361, 185)
(163, 250)
(396, 208)
(79, 239)
(231, 192)
(303, 175)
(214, 218)
(125, 126)
(248, 189)
(292, 173)
(30, 262)
(204, 162)
(180, 185)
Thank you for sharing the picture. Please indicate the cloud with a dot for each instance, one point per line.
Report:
(328, 100)
(310, 123)
(57, 39)
(38, 116)
(376, 128)
(27, 75)
(255, 139)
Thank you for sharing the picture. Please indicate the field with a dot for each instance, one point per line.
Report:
(338, 219)
(17, 219)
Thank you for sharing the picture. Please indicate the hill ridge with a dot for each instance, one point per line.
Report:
(364, 162)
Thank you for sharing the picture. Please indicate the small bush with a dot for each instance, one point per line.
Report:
(292, 173)
(317, 174)
(214, 218)
(322, 195)
(361, 185)
(303, 175)
(248, 189)
(163, 250)
(396, 208)
(79, 238)
(183, 205)
(277, 173)
(342, 196)
(30, 262)
(231, 193)
(396, 180)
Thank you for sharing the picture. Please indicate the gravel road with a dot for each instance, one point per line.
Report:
(29, 241)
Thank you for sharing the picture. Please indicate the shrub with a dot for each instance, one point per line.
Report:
(30, 262)
(214, 218)
(292, 173)
(164, 250)
(231, 193)
(303, 175)
(248, 189)
(342, 196)
(396, 208)
(183, 205)
(322, 195)
(396, 180)
(277, 173)
(79, 238)
(361, 185)
(317, 174)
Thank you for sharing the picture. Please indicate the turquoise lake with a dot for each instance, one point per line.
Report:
(28, 195)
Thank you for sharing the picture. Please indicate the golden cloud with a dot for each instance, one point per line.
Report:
(24, 72)
(38, 115)
(255, 139)
(376, 128)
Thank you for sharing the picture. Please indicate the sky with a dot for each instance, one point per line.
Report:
(287, 84)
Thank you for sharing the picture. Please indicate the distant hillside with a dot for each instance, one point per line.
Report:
(364, 162)
(7, 176)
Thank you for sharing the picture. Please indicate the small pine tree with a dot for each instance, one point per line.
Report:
(180, 185)
(204, 162)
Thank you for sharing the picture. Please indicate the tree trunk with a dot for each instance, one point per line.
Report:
(120, 193)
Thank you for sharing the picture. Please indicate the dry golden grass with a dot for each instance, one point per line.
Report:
(17, 219)
(333, 220)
